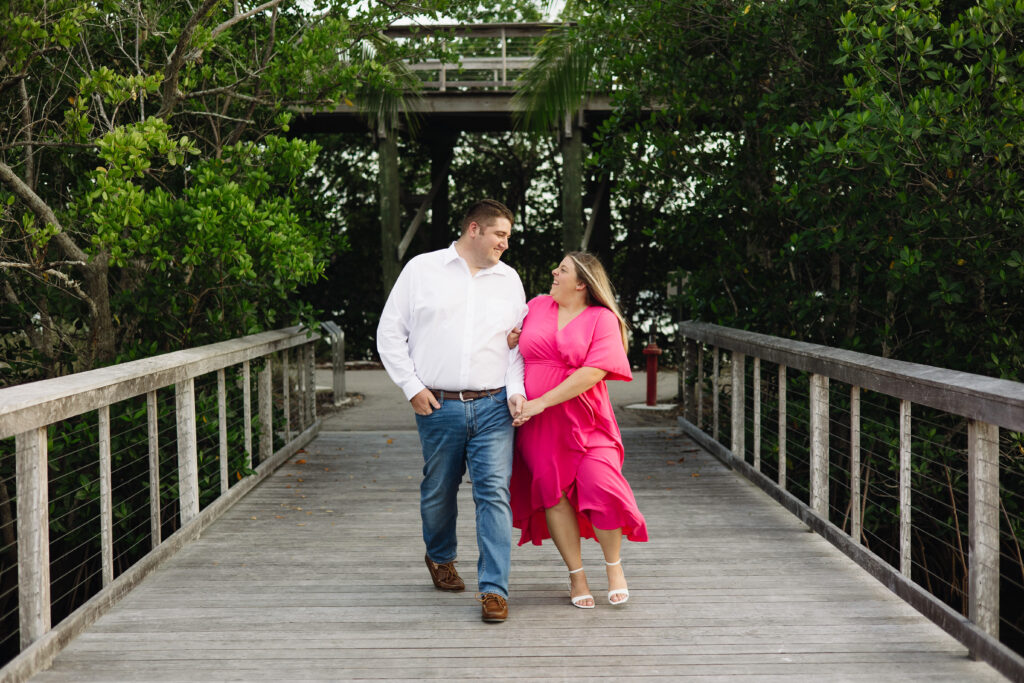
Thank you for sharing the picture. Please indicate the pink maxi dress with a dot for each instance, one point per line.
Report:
(573, 448)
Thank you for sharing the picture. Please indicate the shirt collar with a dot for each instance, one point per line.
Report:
(451, 255)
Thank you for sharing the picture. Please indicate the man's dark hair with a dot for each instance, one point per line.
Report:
(485, 212)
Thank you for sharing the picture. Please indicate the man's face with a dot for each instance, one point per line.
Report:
(489, 242)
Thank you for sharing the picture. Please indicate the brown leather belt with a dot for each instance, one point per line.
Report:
(464, 395)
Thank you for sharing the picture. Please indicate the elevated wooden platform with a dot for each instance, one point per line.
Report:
(453, 110)
(318, 575)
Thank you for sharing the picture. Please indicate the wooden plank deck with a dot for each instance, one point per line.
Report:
(318, 575)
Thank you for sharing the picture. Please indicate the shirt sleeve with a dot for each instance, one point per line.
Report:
(393, 337)
(514, 377)
(606, 351)
(514, 383)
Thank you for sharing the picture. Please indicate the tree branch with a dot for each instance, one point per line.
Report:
(41, 211)
(169, 88)
(241, 17)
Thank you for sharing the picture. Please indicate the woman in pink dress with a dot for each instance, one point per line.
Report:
(567, 478)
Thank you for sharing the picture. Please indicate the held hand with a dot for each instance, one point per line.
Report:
(424, 403)
(515, 405)
(529, 409)
(513, 337)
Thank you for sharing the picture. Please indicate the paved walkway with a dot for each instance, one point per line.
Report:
(317, 575)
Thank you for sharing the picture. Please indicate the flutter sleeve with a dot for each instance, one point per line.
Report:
(606, 352)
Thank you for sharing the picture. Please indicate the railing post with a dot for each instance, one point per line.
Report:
(222, 429)
(983, 520)
(264, 391)
(247, 411)
(905, 521)
(782, 427)
(739, 374)
(286, 383)
(106, 506)
(311, 374)
(337, 337)
(699, 388)
(715, 360)
(687, 389)
(819, 444)
(31, 482)
(504, 58)
(152, 419)
(757, 414)
(855, 503)
(188, 452)
(338, 363)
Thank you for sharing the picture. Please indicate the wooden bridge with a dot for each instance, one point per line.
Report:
(305, 561)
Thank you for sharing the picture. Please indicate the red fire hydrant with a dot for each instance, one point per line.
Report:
(652, 352)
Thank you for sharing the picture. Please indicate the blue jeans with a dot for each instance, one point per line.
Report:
(477, 433)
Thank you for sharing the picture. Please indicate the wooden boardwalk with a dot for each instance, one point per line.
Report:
(318, 575)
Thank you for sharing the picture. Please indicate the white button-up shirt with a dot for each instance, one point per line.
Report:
(444, 328)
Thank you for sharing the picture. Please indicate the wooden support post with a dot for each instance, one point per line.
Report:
(338, 366)
(782, 427)
(152, 418)
(32, 479)
(300, 387)
(819, 444)
(286, 381)
(757, 414)
(699, 389)
(188, 451)
(983, 518)
(442, 147)
(687, 389)
(905, 486)
(264, 396)
(390, 207)
(738, 371)
(247, 411)
(222, 429)
(311, 373)
(855, 501)
(572, 185)
(715, 391)
(106, 505)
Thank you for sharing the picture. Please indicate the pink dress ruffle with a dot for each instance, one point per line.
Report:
(574, 448)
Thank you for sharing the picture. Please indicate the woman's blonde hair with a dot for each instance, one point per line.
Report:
(591, 273)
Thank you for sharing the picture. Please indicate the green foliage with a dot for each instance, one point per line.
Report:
(147, 199)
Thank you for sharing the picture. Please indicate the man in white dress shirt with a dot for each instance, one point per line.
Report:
(442, 339)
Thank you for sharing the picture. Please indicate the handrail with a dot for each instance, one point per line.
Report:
(499, 65)
(987, 404)
(27, 406)
(28, 411)
(993, 400)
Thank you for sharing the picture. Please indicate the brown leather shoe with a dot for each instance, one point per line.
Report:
(494, 608)
(444, 575)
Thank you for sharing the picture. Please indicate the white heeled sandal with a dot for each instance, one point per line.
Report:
(617, 591)
(579, 598)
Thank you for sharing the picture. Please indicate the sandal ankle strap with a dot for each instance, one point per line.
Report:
(612, 564)
(575, 571)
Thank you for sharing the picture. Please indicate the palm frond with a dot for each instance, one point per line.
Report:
(557, 84)
(388, 87)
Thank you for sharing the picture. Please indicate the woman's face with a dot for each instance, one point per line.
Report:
(564, 283)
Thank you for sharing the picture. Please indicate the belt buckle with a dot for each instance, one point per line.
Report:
(462, 399)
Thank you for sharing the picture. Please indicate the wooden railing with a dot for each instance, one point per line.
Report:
(819, 432)
(496, 71)
(32, 413)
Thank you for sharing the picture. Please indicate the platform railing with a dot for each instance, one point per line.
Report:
(506, 50)
(180, 405)
(858, 446)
